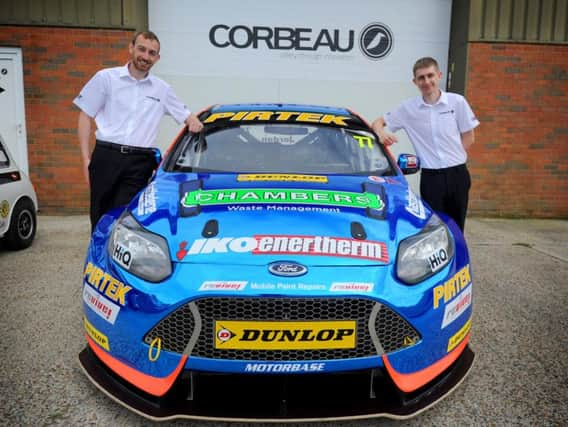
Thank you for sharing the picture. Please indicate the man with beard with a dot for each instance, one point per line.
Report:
(440, 127)
(127, 104)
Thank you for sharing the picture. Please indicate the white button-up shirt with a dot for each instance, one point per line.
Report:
(128, 111)
(435, 130)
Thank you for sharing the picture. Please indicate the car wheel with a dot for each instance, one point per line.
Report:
(22, 226)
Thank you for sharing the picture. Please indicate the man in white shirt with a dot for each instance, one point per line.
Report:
(440, 127)
(127, 104)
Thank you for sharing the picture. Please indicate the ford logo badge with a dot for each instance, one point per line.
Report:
(287, 269)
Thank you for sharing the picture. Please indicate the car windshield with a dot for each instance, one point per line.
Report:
(282, 148)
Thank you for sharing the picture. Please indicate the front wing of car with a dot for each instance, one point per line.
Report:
(281, 398)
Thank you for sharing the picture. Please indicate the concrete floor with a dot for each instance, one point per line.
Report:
(519, 333)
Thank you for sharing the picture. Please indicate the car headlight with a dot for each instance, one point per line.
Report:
(139, 251)
(422, 255)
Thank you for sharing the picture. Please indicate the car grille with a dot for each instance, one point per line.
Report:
(190, 328)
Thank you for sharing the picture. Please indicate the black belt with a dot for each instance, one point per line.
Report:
(126, 149)
(442, 170)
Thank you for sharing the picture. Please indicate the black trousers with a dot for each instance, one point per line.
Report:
(117, 176)
(447, 190)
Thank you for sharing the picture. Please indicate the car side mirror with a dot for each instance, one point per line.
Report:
(408, 163)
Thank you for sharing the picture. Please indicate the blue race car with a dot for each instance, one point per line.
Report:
(277, 267)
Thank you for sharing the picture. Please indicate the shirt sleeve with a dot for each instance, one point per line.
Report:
(93, 95)
(395, 119)
(465, 117)
(174, 107)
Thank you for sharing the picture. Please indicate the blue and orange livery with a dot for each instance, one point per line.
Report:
(278, 267)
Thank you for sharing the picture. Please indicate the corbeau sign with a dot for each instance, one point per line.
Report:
(375, 40)
(371, 42)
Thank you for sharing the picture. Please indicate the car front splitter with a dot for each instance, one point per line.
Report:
(278, 398)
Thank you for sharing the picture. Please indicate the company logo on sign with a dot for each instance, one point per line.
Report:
(255, 335)
(287, 269)
(376, 41)
(280, 38)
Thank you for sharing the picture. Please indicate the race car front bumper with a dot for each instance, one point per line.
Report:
(279, 398)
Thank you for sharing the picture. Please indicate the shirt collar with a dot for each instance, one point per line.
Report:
(442, 100)
(124, 73)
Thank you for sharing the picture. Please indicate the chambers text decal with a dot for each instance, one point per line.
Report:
(287, 196)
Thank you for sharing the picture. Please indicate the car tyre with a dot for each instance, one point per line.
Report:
(23, 224)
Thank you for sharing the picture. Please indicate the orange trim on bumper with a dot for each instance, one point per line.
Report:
(155, 386)
(415, 380)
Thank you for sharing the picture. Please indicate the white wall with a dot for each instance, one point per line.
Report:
(203, 74)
